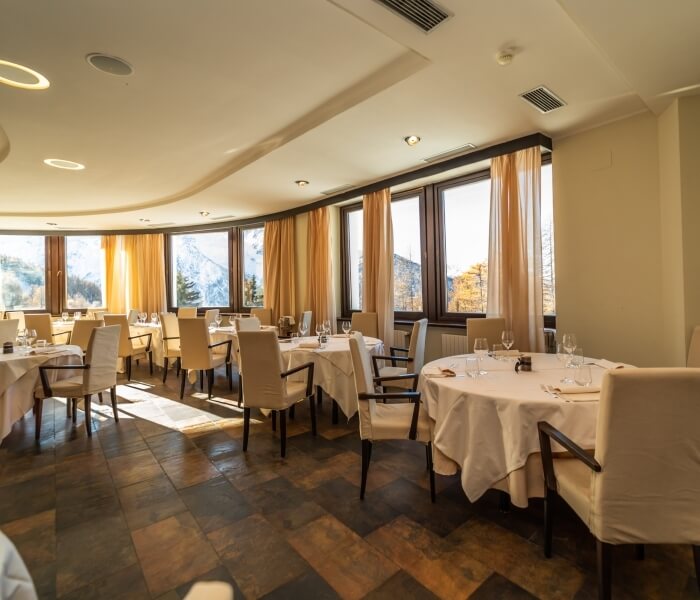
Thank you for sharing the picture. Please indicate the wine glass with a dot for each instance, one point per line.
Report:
(327, 326)
(346, 327)
(303, 329)
(21, 338)
(481, 348)
(319, 330)
(154, 318)
(569, 342)
(29, 337)
(564, 359)
(218, 320)
(507, 338)
(76, 315)
(64, 316)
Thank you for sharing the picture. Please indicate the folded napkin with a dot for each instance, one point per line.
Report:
(438, 372)
(608, 364)
(515, 353)
(581, 397)
(309, 344)
(47, 350)
(573, 389)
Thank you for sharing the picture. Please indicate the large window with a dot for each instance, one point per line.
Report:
(355, 234)
(200, 269)
(85, 272)
(547, 221)
(22, 272)
(252, 255)
(408, 272)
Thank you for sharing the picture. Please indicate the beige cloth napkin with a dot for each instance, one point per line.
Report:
(438, 372)
(608, 364)
(309, 344)
(574, 389)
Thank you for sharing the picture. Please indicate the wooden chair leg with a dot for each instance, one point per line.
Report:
(291, 411)
(178, 366)
(283, 433)
(604, 552)
(165, 368)
(334, 412)
(201, 380)
(68, 407)
(548, 510)
(210, 381)
(246, 428)
(696, 557)
(366, 457)
(312, 410)
(229, 375)
(273, 416)
(128, 368)
(113, 396)
(88, 414)
(182, 383)
(100, 397)
(74, 414)
(38, 409)
(429, 449)
(639, 551)
(150, 362)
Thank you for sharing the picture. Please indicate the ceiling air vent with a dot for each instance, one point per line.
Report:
(160, 224)
(423, 13)
(543, 99)
(224, 218)
(448, 153)
(337, 190)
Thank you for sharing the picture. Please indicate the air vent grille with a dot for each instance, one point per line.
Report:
(337, 190)
(423, 13)
(454, 152)
(543, 99)
(160, 224)
(224, 218)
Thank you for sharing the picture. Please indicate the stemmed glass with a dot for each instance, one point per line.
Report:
(507, 338)
(568, 344)
(154, 318)
(319, 330)
(218, 320)
(64, 316)
(481, 348)
(327, 327)
(29, 337)
(346, 327)
(22, 339)
(76, 315)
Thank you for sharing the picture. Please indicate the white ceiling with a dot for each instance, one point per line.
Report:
(231, 101)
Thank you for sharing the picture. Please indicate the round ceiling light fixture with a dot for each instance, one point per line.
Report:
(301, 183)
(505, 57)
(60, 163)
(411, 140)
(109, 64)
(22, 77)
(204, 213)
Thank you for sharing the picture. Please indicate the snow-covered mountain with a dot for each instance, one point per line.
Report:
(210, 277)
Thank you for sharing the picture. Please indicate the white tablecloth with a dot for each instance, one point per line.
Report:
(15, 581)
(487, 427)
(19, 376)
(156, 340)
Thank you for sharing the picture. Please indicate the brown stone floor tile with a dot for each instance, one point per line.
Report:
(96, 497)
(167, 445)
(332, 467)
(132, 468)
(318, 538)
(401, 586)
(257, 556)
(309, 585)
(150, 501)
(517, 559)
(217, 444)
(173, 552)
(26, 498)
(44, 577)
(497, 586)
(377, 476)
(92, 550)
(429, 559)
(189, 469)
(215, 503)
(35, 537)
(127, 584)
(26, 466)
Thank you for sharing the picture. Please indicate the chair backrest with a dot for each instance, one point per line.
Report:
(366, 323)
(170, 330)
(263, 314)
(126, 348)
(101, 355)
(694, 350)
(210, 316)
(16, 314)
(186, 312)
(8, 330)
(133, 316)
(247, 324)
(95, 314)
(648, 444)
(416, 348)
(194, 344)
(364, 384)
(82, 332)
(261, 360)
(490, 328)
(305, 321)
(41, 322)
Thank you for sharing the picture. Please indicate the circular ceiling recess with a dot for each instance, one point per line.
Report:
(109, 64)
(21, 77)
(59, 163)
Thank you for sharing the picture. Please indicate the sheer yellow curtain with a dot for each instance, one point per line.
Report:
(279, 268)
(319, 284)
(115, 273)
(378, 262)
(146, 272)
(515, 247)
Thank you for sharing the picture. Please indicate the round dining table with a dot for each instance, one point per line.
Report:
(486, 427)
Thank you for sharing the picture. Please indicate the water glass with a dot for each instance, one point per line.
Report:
(481, 349)
(507, 338)
(76, 315)
(64, 316)
(303, 330)
(497, 351)
(327, 327)
(30, 336)
(154, 318)
(218, 320)
(583, 376)
(472, 367)
(346, 327)
(294, 338)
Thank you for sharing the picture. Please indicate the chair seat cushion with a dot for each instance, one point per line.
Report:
(71, 387)
(171, 353)
(393, 422)
(574, 485)
(296, 391)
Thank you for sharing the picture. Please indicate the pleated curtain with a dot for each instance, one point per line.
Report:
(515, 247)
(115, 273)
(378, 262)
(319, 283)
(279, 268)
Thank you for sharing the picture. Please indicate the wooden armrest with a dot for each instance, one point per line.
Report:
(44, 379)
(148, 335)
(171, 338)
(309, 377)
(228, 349)
(413, 376)
(546, 431)
(393, 349)
(68, 333)
(46, 367)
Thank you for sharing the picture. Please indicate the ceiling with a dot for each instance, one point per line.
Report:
(230, 101)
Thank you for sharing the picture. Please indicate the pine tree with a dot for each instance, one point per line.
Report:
(187, 292)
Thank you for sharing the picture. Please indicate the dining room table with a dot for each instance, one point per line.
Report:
(19, 377)
(485, 427)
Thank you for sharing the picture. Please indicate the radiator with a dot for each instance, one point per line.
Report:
(401, 338)
(454, 344)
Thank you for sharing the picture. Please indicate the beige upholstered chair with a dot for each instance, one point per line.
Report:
(16, 314)
(642, 484)
(395, 421)
(41, 322)
(413, 361)
(694, 350)
(187, 312)
(264, 314)
(99, 374)
(8, 330)
(133, 316)
(95, 314)
(265, 383)
(490, 328)
(127, 350)
(305, 321)
(210, 316)
(366, 323)
(196, 353)
(247, 324)
(171, 342)
(82, 331)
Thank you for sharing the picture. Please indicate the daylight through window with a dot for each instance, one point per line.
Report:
(85, 272)
(22, 272)
(253, 247)
(199, 268)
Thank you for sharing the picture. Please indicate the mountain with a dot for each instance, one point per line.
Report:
(210, 278)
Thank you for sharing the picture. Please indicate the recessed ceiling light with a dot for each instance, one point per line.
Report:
(52, 224)
(60, 163)
(411, 140)
(505, 58)
(204, 213)
(145, 220)
(109, 64)
(301, 182)
(21, 77)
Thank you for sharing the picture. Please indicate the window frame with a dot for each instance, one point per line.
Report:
(64, 278)
(241, 308)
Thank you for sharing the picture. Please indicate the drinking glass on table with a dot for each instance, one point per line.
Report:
(319, 330)
(583, 376)
(294, 337)
(154, 318)
(21, 339)
(327, 326)
(76, 315)
(30, 336)
(64, 316)
(507, 338)
(346, 327)
(303, 329)
(481, 349)
(218, 320)
(472, 367)
(564, 358)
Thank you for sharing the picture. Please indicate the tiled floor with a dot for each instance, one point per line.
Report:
(166, 497)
